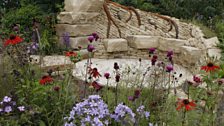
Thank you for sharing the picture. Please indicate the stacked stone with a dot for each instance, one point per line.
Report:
(79, 20)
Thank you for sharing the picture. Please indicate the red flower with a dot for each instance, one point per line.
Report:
(137, 93)
(185, 103)
(56, 88)
(71, 54)
(94, 72)
(13, 40)
(45, 79)
(197, 79)
(209, 67)
(96, 85)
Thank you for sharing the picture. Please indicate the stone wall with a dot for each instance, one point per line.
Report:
(80, 19)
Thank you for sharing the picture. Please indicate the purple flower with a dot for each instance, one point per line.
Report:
(91, 111)
(66, 39)
(169, 53)
(21, 108)
(147, 114)
(1, 110)
(16, 28)
(90, 48)
(122, 112)
(107, 75)
(35, 46)
(152, 50)
(91, 38)
(95, 35)
(7, 99)
(169, 68)
(142, 113)
(8, 109)
(131, 98)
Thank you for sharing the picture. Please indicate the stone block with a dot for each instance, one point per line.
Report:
(190, 54)
(75, 30)
(83, 5)
(171, 44)
(211, 42)
(215, 52)
(143, 42)
(77, 17)
(79, 41)
(115, 45)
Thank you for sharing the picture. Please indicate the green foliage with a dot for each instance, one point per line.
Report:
(23, 16)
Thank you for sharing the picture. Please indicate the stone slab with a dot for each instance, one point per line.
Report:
(83, 5)
(190, 54)
(106, 65)
(211, 42)
(171, 44)
(215, 52)
(75, 30)
(143, 42)
(77, 17)
(115, 45)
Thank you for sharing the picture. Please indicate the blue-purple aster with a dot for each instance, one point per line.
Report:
(92, 111)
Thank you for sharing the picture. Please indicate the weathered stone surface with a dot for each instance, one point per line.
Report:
(190, 55)
(75, 30)
(116, 45)
(143, 42)
(84, 53)
(77, 17)
(171, 44)
(83, 5)
(104, 66)
(211, 42)
(51, 60)
(79, 41)
(215, 52)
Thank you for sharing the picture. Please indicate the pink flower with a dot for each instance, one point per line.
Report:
(91, 38)
(169, 68)
(107, 75)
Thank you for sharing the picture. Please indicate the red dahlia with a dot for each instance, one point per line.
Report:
(13, 40)
(71, 54)
(46, 79)
(96, 85)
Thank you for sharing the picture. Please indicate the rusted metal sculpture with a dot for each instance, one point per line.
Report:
(111, 21)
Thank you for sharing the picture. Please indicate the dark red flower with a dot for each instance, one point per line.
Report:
(94, 72)
(107, 75)
(96, 85)
(169, 53)
(71, 54)
(185, 103)
(154, 59)
(13, 40)
(96, 36)
(137, 93)
(197, 79)
(210, 67)
(117, 78)
(56, 88)
(116, 67)
(46, 79)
